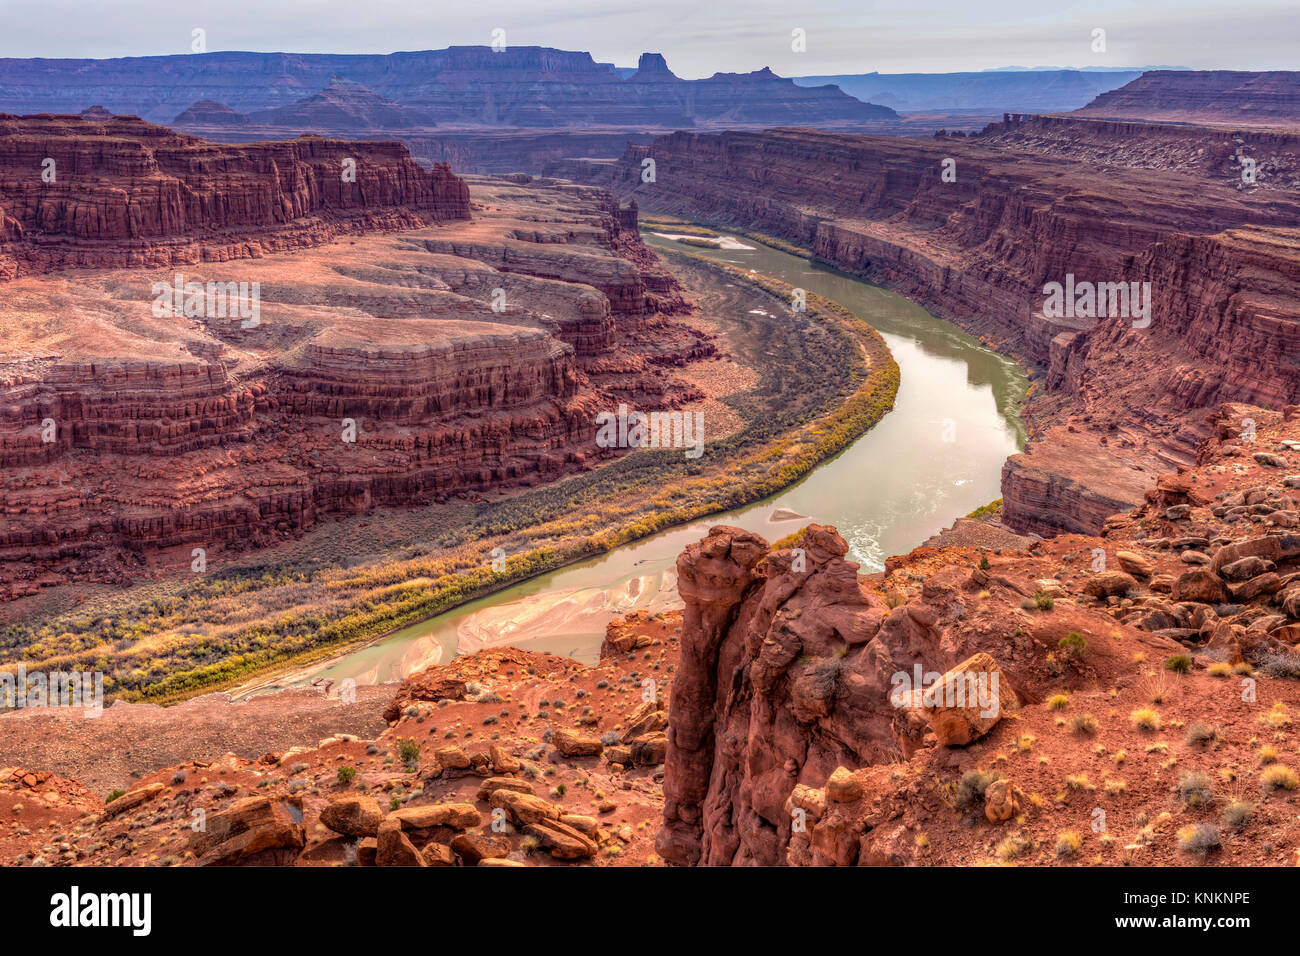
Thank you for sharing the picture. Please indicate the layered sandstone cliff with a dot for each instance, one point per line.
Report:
(117, 192)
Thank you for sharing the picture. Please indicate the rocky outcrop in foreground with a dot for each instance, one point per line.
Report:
(1120, 699)
(929, 714)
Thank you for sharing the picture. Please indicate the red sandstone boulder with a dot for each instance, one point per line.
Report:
(357, 816)
(394, 847)
(968, 701)
(253, 829)
(1201, 585)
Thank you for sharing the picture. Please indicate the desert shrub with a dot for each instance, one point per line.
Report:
(1179, 663)
(1195, 789)
(1281, 664)
(408, 750)
(347, 775)
(1199, 838)
(1073, 644)
(113, 795)
(1218, 669)
(1279, 777)
(990, 510)
(1044, 601)
(1144, 718)
(1013, 847)
(971, 787)
(1068, 843)
(1155, 687)
(1084, 724)
(1058, 702)
(1201, 733)
(1079, 781)
(1237, 813)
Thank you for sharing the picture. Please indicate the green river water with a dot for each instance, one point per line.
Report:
(936, 457)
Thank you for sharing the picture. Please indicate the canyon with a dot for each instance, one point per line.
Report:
(987, 93)
(484, 110)
(398, 336)
(413, 337)
(1017, 212)
(514, 86)
(771, 721)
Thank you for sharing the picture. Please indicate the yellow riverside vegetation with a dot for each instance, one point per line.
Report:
(197, 639)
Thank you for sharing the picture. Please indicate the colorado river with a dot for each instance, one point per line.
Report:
(937, 456)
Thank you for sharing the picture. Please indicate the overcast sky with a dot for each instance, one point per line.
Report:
(698, 37)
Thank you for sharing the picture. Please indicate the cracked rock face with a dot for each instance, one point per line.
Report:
(787, 675)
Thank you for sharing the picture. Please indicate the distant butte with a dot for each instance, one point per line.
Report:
(1205, 96)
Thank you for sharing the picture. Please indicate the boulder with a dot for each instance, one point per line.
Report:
(647, 718)
(473, 848)
(1245, 568)
(564, 842)
(1269, 583)
(843, 787)
(503, 762)
(1103, 584)
(1134, 563)
(452, 758)
(459, 816)
(493, 784)
(650, 750)
(250, 827)
(394, 848)
(619, 754)
(968, 701)
(811, 800)
(573, 744)
(523, 808)
(438, 854)
(1201, 585)
(132, 799)
(357, 816)
(1000, 801)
